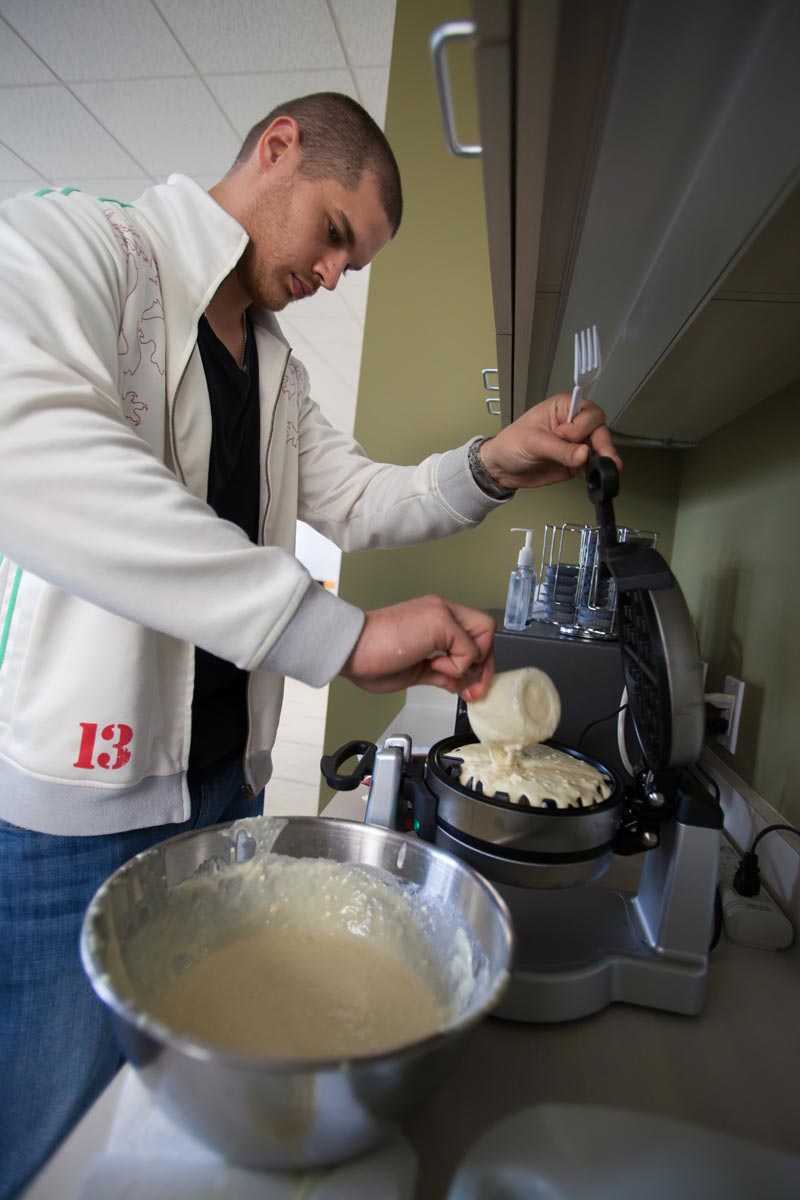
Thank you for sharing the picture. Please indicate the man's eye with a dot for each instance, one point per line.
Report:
(333, 233)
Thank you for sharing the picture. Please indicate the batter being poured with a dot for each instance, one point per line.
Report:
(521, 710)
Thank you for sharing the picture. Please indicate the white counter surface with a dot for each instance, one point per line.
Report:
(734, 1069)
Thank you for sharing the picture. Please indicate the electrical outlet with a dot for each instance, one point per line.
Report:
(735, 688)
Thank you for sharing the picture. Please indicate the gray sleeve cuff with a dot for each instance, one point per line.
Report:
(459, 489)
(318, 640)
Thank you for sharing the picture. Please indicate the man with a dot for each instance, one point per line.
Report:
(158, 444)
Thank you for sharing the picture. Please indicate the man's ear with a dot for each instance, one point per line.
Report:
(279, 145)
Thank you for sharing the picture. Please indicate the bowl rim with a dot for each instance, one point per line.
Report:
(194, 1048)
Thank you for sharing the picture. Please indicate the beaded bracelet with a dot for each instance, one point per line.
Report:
(484, 480)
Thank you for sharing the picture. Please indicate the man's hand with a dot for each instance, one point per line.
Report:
(425, 641)
(543, 447)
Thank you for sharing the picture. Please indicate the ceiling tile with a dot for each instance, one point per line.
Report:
(323, 375)
(9, 188)
(367, 27)
(302, 347)
(353, 291)
(247, 98)
(322, 302)
(204, 181)
(373, 83)
(98, 39)
(167, 124)
(339, 408)
(344, 358)
(115, 189)
(258, 53)
(348, 300)
(47, 127)
(17, 63)
(254, 35)
(340, 411)
(320, 330)
(12, 167)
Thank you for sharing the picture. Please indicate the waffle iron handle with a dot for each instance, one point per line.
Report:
(602, 484)
(330, 765)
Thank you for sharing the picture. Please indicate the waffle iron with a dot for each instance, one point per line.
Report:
(612, 901)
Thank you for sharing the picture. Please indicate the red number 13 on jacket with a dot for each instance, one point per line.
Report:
(86, 754)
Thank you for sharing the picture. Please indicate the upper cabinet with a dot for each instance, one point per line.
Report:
(641, 170)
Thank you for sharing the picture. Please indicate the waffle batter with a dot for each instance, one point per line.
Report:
(300, 994)
(520, 710)
(546, 777)
(303, 958)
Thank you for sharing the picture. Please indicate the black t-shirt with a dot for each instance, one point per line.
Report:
(219, 705)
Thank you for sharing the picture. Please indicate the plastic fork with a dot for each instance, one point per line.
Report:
(587, 366)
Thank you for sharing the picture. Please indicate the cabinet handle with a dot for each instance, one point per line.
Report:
(493, 407)
(453, 31)
(485, 373)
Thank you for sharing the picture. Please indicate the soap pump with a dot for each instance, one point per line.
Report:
(521, 585)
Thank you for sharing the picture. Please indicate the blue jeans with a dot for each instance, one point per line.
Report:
(57, 1049)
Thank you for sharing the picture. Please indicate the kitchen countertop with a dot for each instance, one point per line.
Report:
(732, 1069)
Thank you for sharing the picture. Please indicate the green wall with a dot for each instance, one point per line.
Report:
(429, 332)
(736, 555)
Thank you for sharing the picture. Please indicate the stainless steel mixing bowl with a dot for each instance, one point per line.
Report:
(261, 1112)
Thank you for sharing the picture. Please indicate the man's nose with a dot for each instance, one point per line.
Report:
(330, 271)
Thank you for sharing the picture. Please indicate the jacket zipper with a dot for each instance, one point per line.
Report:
(174, 440)
(268, 488)
(268, 497)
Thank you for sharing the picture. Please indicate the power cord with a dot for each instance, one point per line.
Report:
(747, 880)
(717, 920)
(599, 721)
(714, 788)
(710, 780)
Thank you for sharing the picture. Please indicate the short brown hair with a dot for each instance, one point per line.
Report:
(339, 140)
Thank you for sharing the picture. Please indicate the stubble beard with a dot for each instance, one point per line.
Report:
(259, 270)
(257, 279)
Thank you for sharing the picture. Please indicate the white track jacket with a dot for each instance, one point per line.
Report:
(112, 566)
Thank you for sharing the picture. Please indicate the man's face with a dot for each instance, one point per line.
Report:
(305, 233)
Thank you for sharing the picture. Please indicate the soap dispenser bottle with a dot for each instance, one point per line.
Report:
(521, 585)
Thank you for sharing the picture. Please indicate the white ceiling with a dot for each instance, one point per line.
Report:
(111, 96)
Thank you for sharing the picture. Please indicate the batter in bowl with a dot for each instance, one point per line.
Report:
(304, 994)
(303, 958)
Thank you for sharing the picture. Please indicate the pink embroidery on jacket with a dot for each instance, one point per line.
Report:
(152, 335)
(133, 407)
(295, 380)
(289, 385)
(150, 341)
